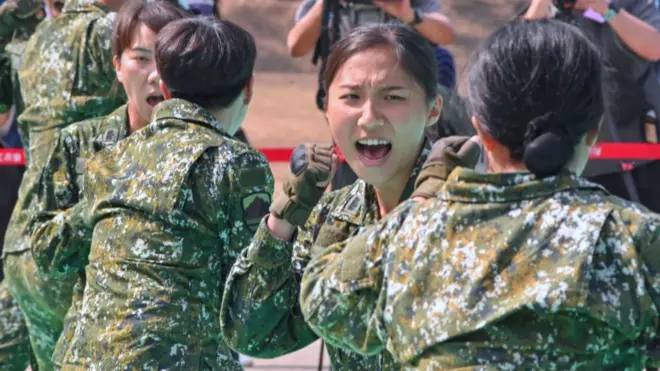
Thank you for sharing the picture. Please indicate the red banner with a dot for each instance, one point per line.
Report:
(601, 151)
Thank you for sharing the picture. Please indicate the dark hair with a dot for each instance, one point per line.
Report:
(537, 88)
(205, 61)
(412, 51)
(453, 119)
(155, 15)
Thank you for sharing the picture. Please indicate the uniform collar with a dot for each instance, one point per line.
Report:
(187, 111)
(465, 185)
(113, 128)
(361, 207)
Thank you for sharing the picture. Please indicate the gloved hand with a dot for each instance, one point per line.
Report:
(16, 14)
(447, 154)
(312, 169)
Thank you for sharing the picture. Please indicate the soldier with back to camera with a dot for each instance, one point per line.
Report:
(626, 32)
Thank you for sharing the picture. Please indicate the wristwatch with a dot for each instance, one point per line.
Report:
(417, 19)
(611, 12)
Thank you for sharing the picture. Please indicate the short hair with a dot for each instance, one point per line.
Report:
(205, 60)
(154, 14)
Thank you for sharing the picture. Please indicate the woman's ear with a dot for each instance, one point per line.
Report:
(435, 112)
(487, 140)
(116, 63)
(249, 90)
(163, 88)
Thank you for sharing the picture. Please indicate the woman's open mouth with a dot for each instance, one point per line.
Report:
(373, 151)
(153, 100)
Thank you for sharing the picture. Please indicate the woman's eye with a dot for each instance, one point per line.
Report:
(350, 96)
(394, 97)
(142, 59)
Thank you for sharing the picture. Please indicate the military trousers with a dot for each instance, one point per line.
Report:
(44, 302)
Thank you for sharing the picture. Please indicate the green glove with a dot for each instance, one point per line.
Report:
(311, 169)
(15, 14)
(447, 154)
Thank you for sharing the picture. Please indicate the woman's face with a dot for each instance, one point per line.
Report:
(136, 71)
(377, 114)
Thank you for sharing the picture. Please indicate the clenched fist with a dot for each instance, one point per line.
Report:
(312, 168)
(446, 155)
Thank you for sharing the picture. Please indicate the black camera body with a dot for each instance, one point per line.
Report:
(564, 6)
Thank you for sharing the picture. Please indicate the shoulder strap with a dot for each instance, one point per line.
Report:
(329, 35)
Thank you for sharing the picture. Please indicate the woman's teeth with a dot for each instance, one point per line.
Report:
(373, 142)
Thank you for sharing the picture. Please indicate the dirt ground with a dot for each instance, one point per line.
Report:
(283, 112)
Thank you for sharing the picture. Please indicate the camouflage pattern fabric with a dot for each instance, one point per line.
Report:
(15, 30)
(10, 87)
(19, 16)
(43, 301)
(14, 341)
(57, 231)
(499, 272)
(171, 208)
(260, 312)
(66, 76)
(17, 23)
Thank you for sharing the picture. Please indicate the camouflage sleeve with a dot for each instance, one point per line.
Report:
(260, 313)
(59, 239)
(649, 250)
(100, 45)
(342, 296)
(250, 189)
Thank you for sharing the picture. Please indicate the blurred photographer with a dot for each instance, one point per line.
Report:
(423, 15)
(627, 34)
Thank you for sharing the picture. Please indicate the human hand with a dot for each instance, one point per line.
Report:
(312, 169)
(447, 154)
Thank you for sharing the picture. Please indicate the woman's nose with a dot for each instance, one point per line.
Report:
(370, 118)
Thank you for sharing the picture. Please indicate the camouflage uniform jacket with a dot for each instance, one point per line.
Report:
(58, 236)
(499, 272)
(260, 314)
(66, 77)
(171, 207)
(59, 240)
(13, 46)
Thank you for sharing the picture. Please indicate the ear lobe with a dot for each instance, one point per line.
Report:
(488, 142)
(436, 111)
(163, 88)
(117, 65)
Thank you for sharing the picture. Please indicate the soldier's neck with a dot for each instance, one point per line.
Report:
(503, 163)
(135, 121)
(388, 195)
(226, 117)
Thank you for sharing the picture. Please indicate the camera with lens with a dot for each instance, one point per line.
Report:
(564, 6)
